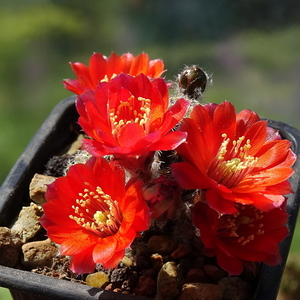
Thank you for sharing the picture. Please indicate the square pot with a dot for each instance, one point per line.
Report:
(58, 131)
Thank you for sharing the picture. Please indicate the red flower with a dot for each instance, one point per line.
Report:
(128, 117)
(93, 216)
(236, 158)
(249, 235)
(102, 68)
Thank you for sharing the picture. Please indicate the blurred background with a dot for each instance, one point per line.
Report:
(250, 47)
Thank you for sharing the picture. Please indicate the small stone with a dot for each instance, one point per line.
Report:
(197, 275)
(214, 272)
(97, 279)
(201, 291)
(145, 287)
(126, 261)
(169, 282)
(10, 248)
(39, 254)
(199, 263)
(235, 288)
(162, 244)
(38, 187)
(109, 287)
(157, 261)
(151, 273)
(181, 251)
(27, 224)
(119, 275)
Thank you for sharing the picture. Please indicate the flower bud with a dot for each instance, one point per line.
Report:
(192, 81)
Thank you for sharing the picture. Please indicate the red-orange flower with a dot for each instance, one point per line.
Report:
(236, 158)
(93, 215)
(128, 117)
(104, 68)
(238, 240)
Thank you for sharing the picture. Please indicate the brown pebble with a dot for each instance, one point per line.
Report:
(169, 282)
(39, 254)
(10, 247)
(38, 187)
(235, 288)
(197, 275)
(199, 263)
(201, 291)
(145, 287)
(151, 273)
(215, 273)
(181, 251)
(162, 244)
(109, 287)
(28, 224)
(157, 261)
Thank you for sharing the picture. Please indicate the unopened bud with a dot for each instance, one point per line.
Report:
(192, 81)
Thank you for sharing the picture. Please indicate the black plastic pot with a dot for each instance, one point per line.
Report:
(58, 131)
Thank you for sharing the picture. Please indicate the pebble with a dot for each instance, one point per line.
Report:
(109, 287)
(39, 254)
(10, 247)
(27, 224)
(119, 275)
(145, 286)
(38, 187)
(151, 273)
(201, 291)
(157, 261)
(181, 251)
(215, 273)
(235, 288)
(126, 261)
(197, 275)
(97, 279)
(169, 282)
(199, 263)
(162, 244)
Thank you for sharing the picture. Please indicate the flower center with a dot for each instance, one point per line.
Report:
(134, 110)
(233, 162)
(243, 226)
(96, 211)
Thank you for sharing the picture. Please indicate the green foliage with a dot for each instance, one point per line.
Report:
(5, 294)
